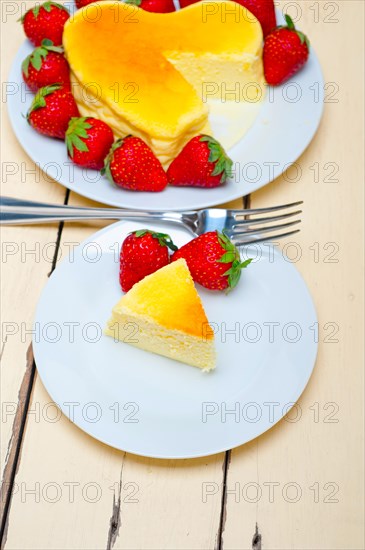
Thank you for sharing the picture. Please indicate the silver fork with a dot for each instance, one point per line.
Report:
(242, 226)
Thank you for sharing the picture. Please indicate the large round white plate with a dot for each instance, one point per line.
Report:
(283, 128)
(150, 405)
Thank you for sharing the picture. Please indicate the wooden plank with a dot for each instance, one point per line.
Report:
(305, 452)
(26, 260)
(143, 503)
(322, 453)
(170, 491)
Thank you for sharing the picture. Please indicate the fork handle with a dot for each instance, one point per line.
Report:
(15, 212)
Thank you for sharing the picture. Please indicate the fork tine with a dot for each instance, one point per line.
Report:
(265, 229)
(264, 220)
(265, 239)
(254, 211)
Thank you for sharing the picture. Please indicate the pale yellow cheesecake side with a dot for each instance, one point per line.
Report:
(164, 314)
(150, 74)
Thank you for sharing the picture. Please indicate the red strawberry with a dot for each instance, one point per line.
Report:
(45, 66)
(185, 3)
(264, 11)
(286, 50)
(88, 141)
(45, 21)
(51, 110)
(213, 261)
(82, 3)
(157, 6)
(132, 165)
(202, 163)
(143, 252)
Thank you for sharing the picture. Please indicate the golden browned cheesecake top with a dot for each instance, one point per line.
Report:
(169, 298)
(121, 53)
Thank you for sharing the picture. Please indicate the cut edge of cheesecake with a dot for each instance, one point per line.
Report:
(192, 74)
(165, 148)
(163, 314)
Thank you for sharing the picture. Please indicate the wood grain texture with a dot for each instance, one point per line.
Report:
(320, 456)
(73, 493)
(130, 487)
(26, 260)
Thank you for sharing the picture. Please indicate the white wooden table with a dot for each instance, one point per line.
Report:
(298, 486)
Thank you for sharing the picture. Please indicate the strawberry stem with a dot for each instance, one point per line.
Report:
(289, 21)
(291, 27)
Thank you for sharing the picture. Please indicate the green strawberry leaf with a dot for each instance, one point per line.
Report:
(217, 155)
(48, 5)
(79, 144)
(38, 54)
(25, 65)
(36, 59)
(134, 2)
(227, 258)
(233, 278)
(105, 171)
(303, 39)
(231, 256)
(227, 244)
(163, 238)
(48, 45)
(77, 129)
(75, 141)
(36, 9)
(290, 26)
(39, 100)
(245, 263)
(214, 155)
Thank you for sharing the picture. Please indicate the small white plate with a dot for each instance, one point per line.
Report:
(283, 128)
(153, 406)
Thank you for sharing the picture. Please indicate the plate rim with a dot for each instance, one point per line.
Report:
(199, 454)
(230, 196)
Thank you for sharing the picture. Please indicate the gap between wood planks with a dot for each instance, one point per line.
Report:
(116, 517)
(256, 539)
(15, 445)
(12, 460)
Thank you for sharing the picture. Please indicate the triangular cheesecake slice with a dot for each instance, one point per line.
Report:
(163, 314)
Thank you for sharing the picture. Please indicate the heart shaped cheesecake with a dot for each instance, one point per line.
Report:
(151, 74)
